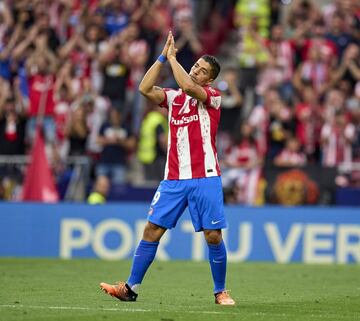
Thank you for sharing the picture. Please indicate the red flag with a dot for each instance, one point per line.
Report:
(39, 182)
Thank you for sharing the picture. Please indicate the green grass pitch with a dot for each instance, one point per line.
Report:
(50, 289)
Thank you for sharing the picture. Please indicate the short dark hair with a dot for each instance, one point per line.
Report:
(214, 63)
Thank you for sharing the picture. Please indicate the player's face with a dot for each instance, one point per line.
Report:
(200, 73)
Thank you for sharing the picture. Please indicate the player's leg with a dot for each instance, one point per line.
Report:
(218, 262)
(143, 257)
(144, 254)
(217, 258)
(166, 208)
(207, 214)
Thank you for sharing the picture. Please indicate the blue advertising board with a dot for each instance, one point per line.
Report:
(277, 234)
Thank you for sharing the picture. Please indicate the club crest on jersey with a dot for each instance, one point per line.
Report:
(184, 120)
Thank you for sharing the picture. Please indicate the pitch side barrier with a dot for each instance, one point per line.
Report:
(275, 234)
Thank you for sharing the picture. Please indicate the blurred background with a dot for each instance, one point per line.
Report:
(74, 127)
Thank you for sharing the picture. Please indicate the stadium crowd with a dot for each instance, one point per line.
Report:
(290, 85)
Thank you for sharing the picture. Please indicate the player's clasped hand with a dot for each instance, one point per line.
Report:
(167, 44)
(172, 50)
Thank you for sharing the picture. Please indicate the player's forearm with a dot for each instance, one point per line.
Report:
(149, 80)
(181, 76)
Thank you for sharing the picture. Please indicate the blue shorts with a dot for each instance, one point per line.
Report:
(203, 196)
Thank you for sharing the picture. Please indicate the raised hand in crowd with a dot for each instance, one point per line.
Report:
(5, 92)
(349, 63)
(186, 33)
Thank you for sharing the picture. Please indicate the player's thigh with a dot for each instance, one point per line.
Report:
(168, 204)
(206, 204)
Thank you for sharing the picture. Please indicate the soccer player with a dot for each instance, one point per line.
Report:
(192, 174)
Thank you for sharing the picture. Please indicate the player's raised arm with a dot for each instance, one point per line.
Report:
(147, 86)
(189, 83)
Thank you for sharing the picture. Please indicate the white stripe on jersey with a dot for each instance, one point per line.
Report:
(210, 160)
(183, 152)
(171, 99)
(167, 154)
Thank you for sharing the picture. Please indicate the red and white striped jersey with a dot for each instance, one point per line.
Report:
(192, 134)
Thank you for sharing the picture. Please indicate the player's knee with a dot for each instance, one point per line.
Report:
(153, 232)
(213, 236)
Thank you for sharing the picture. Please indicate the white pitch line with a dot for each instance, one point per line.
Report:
(17, 306)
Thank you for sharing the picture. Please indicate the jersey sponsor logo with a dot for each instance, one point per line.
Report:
(184, 120)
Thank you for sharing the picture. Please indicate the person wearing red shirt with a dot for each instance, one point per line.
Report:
(308, 118)
(291, 155)
(192, 173)
(241, 167)
(40, 67)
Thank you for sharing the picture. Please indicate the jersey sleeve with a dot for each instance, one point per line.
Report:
(169, 97)
(213, 99)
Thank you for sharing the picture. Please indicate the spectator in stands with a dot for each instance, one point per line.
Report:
(231, 100)
(94, 37)
(8, 43)
(349, 68)
(100, 191)
(41, 66)
(302, 15)
(78, 51)
(281, 126)
(291, 155)
(259, 119)
(308, 113)
(7, 19)
(282, 57)
(152, 144)
(241, 167)
(352, 104)
(337, 137)
(115, 17)
(43, 22)
(349, 10)
(114, 65)
(117, 142)
(97, 108)
(5, 90)
(314, 70)
(62, 117)
(138, 55)
(186, 40)
(272, 73)
(12, 127)
(355, 116)
(152, 26)
(246, 11)
(252, 56)
(334, 102)
(337, 33)
(77, 131)
(317, 38)
(231, 104)
(66, 89)
(12, 136)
